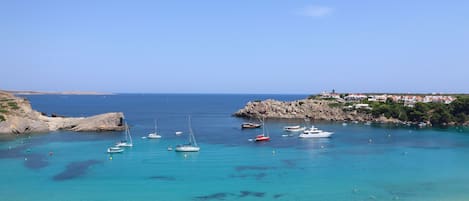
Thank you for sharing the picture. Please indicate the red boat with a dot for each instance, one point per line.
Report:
(262, 137)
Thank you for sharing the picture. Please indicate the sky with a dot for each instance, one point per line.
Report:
(261, 46)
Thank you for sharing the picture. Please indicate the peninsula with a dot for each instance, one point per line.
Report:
(18, 117)
(423, 109)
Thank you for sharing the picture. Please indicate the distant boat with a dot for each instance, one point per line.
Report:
(262, 137)
(296, 128)
(114, 150)
(178, 132)
(368, 123)
(250, 125)
(154, 135)
(192, 145)
(344, 124)
(422, 124)
(314, 132)
(128, 138)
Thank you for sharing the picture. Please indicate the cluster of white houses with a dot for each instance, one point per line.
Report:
(407, 100)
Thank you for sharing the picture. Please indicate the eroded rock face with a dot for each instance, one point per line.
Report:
(300, 109)
(19, 117)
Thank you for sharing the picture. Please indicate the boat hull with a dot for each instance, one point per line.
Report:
(250, 125)
(316, 135)
(153, 136)
(187, 149)
(114, 151)
(123, 144)
(294, 129)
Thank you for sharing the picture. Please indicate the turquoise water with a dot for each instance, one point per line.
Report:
(401, 163)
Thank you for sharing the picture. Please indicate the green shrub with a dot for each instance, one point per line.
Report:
(13, 105)
(2, 118)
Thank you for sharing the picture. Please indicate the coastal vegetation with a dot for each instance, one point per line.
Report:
(429, 109)
(456, 112)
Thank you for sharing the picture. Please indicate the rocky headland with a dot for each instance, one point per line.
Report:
(305, 109)
(18, 117)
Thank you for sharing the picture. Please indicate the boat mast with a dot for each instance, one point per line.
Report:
(191, 134)
(128, 132)
(156, 126)
(263, 127)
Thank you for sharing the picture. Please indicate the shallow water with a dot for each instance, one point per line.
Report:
(400, 163)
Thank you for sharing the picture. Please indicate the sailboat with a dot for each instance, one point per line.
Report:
(262, 137)
(192, 145)
(154, 135)
(128, 138)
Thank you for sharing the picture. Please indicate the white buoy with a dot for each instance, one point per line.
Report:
(273, 152)
(370, 140)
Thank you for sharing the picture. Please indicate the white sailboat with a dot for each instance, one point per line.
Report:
(155, 134)
(128, 139)
(192, 145)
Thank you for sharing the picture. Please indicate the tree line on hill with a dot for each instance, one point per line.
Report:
(457, 112)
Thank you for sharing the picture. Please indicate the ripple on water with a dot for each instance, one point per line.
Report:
(252, 167)
(241, 194)
(162, 178)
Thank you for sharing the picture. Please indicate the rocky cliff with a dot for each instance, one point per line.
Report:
(300, 109)
(17, 116)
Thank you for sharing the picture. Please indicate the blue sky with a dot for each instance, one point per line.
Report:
(235, 46)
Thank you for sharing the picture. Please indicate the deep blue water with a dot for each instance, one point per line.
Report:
(400, 163)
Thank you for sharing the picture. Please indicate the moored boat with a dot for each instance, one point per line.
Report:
(114, 150)
(296, 128)
(262, 137)
(155, 134)
(192, 145)
(314, 132)
(250, 125)
(128, 139)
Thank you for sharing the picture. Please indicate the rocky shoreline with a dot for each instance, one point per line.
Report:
(18, 117)
(305, 109)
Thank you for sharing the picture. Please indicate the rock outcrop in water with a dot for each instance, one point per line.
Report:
(301, 109)
(17, 117)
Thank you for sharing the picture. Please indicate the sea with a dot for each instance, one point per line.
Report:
(358, 163)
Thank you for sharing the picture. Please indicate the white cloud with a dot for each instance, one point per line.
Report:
(316, 11)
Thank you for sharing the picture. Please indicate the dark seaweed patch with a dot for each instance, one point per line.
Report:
(163, 178)
(35, 161)
(31, 160)
(276, 196)
(251, 193)
(215, 196)
(289, 163)
(75, 169)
